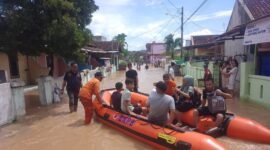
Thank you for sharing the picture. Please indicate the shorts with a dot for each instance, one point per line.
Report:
(137, 110)
(184, 106)
(204, 111)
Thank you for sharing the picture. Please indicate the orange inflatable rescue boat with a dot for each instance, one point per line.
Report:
(154, 135)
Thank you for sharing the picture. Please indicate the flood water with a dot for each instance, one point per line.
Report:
(54, 128)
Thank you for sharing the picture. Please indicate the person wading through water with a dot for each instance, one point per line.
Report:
(72, 82)
(132, 74)
(87, 91)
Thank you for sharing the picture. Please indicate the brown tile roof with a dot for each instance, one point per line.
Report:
(258, 8)
(203, 39)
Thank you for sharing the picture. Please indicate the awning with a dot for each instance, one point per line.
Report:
(257, 32)
(97, 50)
(207, 45)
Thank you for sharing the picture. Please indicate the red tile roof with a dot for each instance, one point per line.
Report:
(203, 39)
(258, 8)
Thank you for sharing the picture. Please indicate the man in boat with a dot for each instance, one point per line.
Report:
(126, 105)
(72, 82)
(160, 104)
(116, 97)
(132, 74)
(208, 93)
(87, 91)
(171, 86)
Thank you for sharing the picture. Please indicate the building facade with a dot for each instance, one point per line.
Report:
(156, 52)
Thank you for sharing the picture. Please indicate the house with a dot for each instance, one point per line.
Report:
(156, 52)
(99, 38)
(244, 11)
(205, 45)
(103, 53)
(28, 68)
(247, 39)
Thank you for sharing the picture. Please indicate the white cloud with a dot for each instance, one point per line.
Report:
(219, 14)
(109, 25)
(115, 2)
(200, 32)
(152, 2)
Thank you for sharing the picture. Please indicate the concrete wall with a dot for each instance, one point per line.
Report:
(36, 71)
(4, 65)
(22, 64)
(254, 87)
(60, 67)
(238, 17)
(7, 111)
(234, 47)
(23, 70)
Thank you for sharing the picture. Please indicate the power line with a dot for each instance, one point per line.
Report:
(201, 27)
(172, 4)
(151, 30)
(195, 11)
(163, 28)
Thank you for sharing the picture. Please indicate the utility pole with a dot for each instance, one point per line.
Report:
(182, 31)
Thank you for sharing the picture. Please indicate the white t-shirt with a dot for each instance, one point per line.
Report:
(126, 96)
(232, 77)
(171, 71)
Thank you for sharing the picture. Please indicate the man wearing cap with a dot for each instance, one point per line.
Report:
(72, 82)
(87, 91)
(132, 74)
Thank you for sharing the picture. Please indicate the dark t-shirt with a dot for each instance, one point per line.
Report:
(131, 74)
(116, 100)
(73, 81)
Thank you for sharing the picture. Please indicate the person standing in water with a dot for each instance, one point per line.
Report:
(72, 82)
(87, 91)
(132, 74)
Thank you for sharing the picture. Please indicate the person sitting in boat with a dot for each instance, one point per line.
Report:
(171, 86)
(185, 101)
(116, 97)
(209, 93)
(126, 105)
(160, 105)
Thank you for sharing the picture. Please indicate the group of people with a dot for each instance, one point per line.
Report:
(229, 70)
(165, 103)
(166, 99)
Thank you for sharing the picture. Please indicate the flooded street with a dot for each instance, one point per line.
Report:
(54, 128)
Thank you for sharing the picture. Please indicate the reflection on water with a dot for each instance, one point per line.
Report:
(53, 128)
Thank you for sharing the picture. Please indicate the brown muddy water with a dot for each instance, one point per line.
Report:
(54, 128)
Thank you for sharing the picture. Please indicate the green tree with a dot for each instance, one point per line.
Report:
(171, 44)
(121, 39)
(50, 26)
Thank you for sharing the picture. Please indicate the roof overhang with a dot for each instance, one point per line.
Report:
(97, 50)
(208, 45)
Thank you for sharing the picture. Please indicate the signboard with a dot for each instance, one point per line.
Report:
(257, 32)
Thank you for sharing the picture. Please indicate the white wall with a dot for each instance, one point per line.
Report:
(7, 112)
(234, 47)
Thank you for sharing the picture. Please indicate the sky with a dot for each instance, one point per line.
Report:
(146, 21)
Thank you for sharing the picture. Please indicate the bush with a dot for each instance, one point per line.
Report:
(122, 65)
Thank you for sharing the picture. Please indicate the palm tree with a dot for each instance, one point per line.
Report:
(171, 44)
